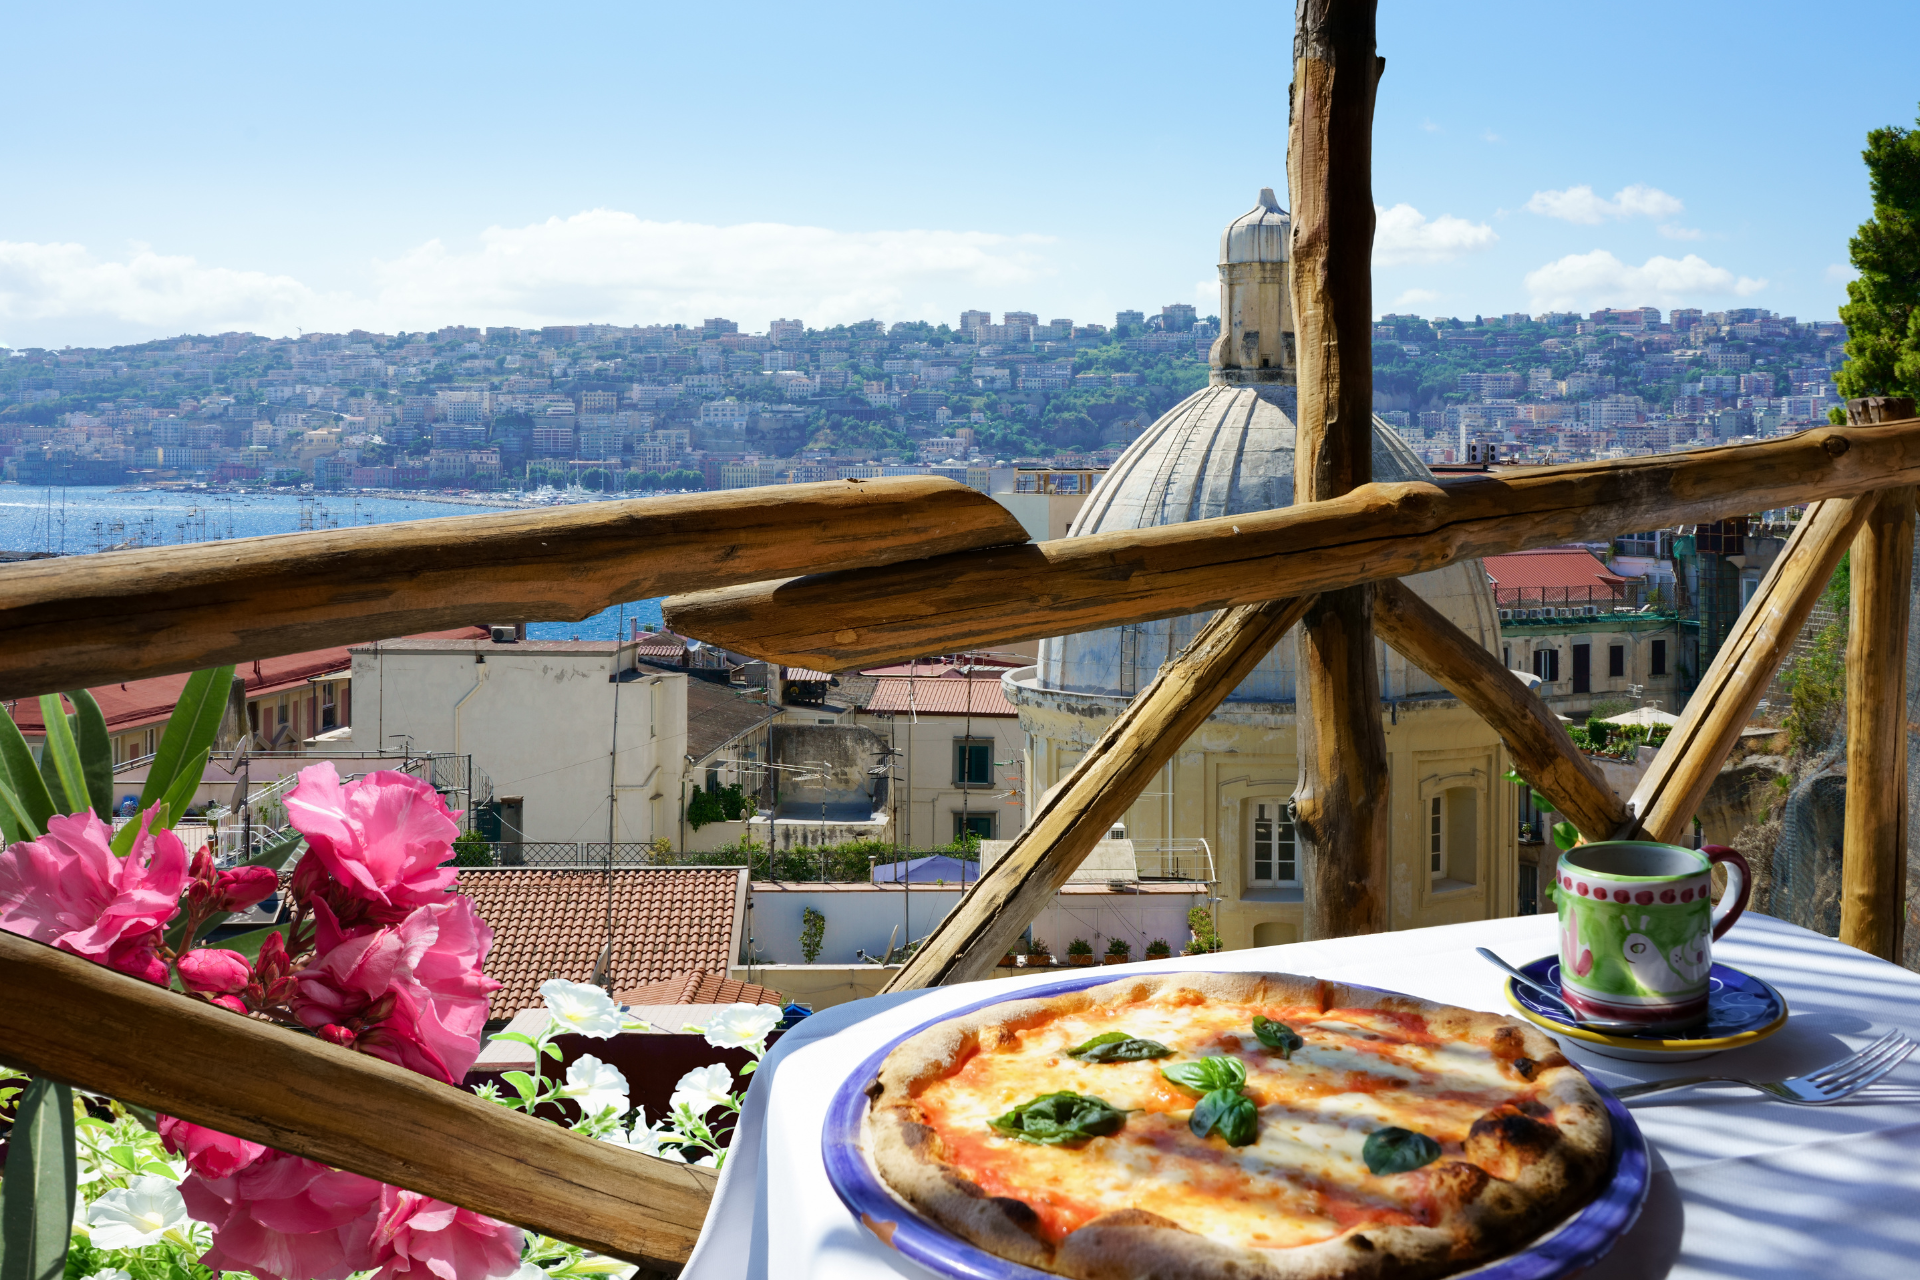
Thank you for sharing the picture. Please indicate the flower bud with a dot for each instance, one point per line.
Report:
(211, 971)
(233, 1003)
(334, 1033)
(241, 887)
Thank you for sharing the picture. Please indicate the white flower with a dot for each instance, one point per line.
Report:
(702, 1089)
(581, 1009)
(111, 1273)
(741, 1026)
(644, 1140)
(595, 1085)
(529, 1271)
(135, 1216)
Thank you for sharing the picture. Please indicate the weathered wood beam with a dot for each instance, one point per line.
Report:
(83, 1023)
(1101, 787)
(1542, 751)
(1873, 863)
(985, 599)
(76, 621)
(1342, 818)
(1662, 806)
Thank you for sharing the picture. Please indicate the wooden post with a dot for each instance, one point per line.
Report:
(1342, 812)
(1101, 787)
(1663, 804)
(1542, 752)
(84, 1023)
(991, 598)
(1873, 867)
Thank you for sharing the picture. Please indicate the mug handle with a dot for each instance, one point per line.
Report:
(1739, 886)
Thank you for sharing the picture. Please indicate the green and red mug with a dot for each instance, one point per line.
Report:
(1637, 928)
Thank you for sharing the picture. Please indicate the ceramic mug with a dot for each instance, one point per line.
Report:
(1637, 929)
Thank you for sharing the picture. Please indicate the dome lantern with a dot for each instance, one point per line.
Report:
(1256, 343)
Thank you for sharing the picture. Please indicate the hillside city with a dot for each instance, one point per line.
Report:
(612, 408)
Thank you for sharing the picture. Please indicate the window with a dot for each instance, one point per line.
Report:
(1506, 656)
(329, 714)
(978, 825)
(1271, 853)
(1529, 889)
(1747, 587)
(1437, 837)
(1616, 660)
(1583, 668)
(1546, 664)
(1659, 664)
(972, 762)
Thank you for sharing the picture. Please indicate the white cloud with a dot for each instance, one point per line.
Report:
(609, 266)
(1430, 126)
(1490, 136)
(65, 288)
(1404, 234)
(1580, 204)
(1840, 273)
(1413, 298)
(1582, 280)
(1672, 231)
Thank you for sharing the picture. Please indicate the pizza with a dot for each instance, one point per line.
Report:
(1250, 1126)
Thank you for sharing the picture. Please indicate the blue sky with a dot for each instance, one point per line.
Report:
(404, 166)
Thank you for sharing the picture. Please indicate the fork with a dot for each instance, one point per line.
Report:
(1829, 1084)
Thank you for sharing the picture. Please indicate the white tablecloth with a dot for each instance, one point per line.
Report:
(1742, 1186)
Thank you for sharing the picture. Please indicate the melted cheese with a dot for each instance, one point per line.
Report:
(1303, 1179)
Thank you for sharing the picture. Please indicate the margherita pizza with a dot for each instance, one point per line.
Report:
(1250, 1126)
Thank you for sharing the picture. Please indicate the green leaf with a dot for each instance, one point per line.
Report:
(248, 944)
(96, 751)
(1229, 1113)
(180, 794)
(522, 1084)
(1565, 835)
(38, 1194)
(1204, 1075)
(1394, 1150)
(123, 838)
(23, 777)
(275, 854)
(1118, 1046)
(1278, 1036)
(15, 822)
(60, 763)
(190, 731)
(515, 1036)
(1055, 1119)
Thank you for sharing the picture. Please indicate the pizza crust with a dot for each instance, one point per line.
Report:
(1525, 1167)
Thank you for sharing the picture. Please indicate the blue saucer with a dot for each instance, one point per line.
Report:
(1741, 1009)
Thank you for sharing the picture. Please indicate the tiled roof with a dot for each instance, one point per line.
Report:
(716, 715)
(805, 673)
(141, 702)
(700, 988)
(1552, 571)
(940, 697)
(923, 668)
(667, 921)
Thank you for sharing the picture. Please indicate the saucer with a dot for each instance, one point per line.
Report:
(1741, 1010)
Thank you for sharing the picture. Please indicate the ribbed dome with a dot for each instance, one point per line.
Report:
(1259, 235)
(1225, 451)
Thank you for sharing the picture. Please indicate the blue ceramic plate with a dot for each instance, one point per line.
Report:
(1741, 1009)
(1567, 1250)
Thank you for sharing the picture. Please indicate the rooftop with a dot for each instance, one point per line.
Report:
(1559, 572)
(953, 697)
(699, 988)
(716, 715)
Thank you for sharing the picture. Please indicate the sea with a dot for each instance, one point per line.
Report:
(80, 520)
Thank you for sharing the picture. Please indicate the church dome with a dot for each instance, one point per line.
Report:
(1226, 451)
(1258, 235)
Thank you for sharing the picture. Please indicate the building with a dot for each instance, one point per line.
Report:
(1221, 806)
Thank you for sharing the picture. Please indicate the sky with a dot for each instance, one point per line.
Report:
(276, 168)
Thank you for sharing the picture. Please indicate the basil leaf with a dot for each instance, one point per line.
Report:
(1204, 1075)
(1277, 1036)
(1053, 1119)
(1229, 1113)
(1393, 1150)
(1118, 1046)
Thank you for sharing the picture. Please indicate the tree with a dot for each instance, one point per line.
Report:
(1883, 312)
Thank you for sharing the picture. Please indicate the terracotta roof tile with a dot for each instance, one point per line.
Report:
(699, 988)
(940, 697)
(1552, 574)
(667, 922)
(716, 715)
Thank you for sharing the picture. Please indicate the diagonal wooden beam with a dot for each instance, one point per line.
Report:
(76, 621)
(76, 1021)
(1662, 806)
(1542, 752)
(1102, 786)
(984, 599)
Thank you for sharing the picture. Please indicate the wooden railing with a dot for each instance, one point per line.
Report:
(900, 568)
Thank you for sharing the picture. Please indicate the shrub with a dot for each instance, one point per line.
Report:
(1079, 947)
(1039, 948)
(472, 850)
(1119, 947)
(813, 931)
(1200, 920)
(1158, 949)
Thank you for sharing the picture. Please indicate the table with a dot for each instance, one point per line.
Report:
(1742, 1186)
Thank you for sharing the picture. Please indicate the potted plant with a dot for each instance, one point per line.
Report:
(1119, 951)
(1080, 952)
(1039, 954)
(1158, 949)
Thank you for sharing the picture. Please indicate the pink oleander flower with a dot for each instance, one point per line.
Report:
(416, 1235)
(208, 1152)
(286, 1218)
(213, 972)
(68, 888)
(374, 847)
(412, 994)
(242, 887)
